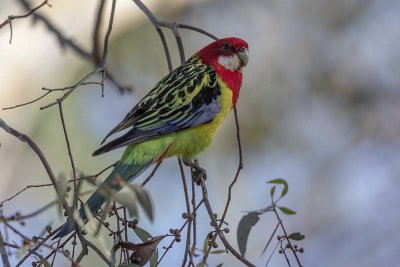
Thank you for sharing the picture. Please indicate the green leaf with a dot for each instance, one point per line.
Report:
(219, 251)
(282, 182)
(244, 227)
(142, 234)
(205, 245)
(287, 210)
(272, 192)
(296, 236)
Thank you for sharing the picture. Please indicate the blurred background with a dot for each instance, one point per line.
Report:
(320, 107)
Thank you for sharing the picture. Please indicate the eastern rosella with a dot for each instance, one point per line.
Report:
(178, 117)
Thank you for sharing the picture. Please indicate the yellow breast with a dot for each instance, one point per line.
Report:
(190, 142)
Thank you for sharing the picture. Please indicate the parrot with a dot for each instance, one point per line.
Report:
(178, 117)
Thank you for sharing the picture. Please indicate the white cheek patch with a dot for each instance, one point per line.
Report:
(231, 63)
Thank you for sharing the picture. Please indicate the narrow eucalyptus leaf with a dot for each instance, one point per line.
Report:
(287, 210)
(272, 192)
(270, 238)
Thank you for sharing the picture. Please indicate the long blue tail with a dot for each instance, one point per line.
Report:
(128, 171)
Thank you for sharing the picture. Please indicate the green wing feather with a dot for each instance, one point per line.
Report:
(185, 98)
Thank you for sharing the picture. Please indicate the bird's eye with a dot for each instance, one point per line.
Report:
(242, 49)
(225, 46)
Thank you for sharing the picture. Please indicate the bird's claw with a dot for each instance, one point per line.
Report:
(198, 173)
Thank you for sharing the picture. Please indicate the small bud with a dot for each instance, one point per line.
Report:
(301, 250)
(185, 215)
(178, 239)
(135, 221)
(215, 245)
(130, 224)
(35, 238)
(22, 223)
(226, 230)
(106, 224)
(280, 251)
(34, 263)
(48, 229)
(66, 253)
(171, 231)
(83, 232)
(215, 215)
(74, 243)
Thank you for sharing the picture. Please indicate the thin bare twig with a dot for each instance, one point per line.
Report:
(96, 32)
(64, 127)
(153, 172)
(12, 17)
(69, 43)
(105, 46)
(30, 215)
(186, 193)
(180, 230)
(72, 88)
(157, 25)
(26, 139)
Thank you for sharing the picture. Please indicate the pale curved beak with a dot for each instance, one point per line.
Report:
(243, 54)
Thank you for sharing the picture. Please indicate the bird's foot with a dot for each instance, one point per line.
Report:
(198, 173)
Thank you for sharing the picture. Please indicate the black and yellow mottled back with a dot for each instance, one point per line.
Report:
(185, 98)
